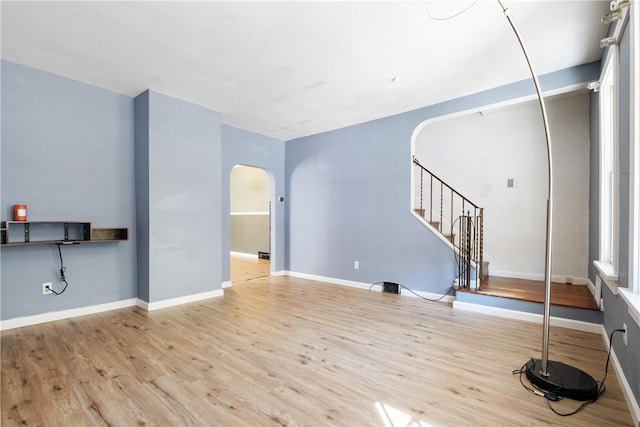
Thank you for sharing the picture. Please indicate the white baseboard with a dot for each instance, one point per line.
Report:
(366, 286)
(629, 397)
(529, 317)
(52, 316)
(535, 276)
(226, 284)
(583, 281)
(352, 284)
(157, 305)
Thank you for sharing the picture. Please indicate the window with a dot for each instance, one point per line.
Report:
(632, 294)
(609, 165)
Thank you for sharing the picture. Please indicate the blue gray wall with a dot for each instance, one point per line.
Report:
(349, 195)
(615, 308)
(349, 200)
(67, 152)
(178, 154)
(241, 147)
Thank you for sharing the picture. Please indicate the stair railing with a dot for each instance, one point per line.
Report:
(457, 218)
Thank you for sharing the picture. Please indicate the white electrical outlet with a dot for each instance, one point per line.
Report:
(624, 334)
(46, 288)
(356, 265)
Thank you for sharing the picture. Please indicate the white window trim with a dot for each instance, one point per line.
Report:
(608, 275)
(633, 301)
(608, 251)
(634, 158)
(631, 295)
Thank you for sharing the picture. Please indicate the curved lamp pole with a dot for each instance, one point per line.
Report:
(561, 379)
(547, 252)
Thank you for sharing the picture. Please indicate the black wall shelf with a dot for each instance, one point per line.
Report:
(21, 233)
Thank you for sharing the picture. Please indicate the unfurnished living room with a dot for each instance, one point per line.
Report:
(369, 213)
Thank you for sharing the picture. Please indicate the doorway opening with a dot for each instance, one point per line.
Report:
(250, 233)
(475, 153)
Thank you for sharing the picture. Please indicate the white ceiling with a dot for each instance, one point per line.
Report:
(290, 69)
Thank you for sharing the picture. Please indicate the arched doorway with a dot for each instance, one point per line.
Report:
(495, 158)
(250, 230)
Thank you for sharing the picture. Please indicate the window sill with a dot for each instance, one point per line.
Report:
(633, 301)
(608, 275)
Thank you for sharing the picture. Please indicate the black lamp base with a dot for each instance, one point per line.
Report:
(563, 380)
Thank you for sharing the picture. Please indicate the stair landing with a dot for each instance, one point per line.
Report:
(562, 294)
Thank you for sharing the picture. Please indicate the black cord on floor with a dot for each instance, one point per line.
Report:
(418, 295)
(521, 371)
(456, 258)
(62, 270)
(425, 298)
(550, 396)
(374, 284)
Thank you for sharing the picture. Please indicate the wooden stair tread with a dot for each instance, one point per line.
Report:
(562, 294)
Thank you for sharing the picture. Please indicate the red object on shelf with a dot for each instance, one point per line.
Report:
(19, 212)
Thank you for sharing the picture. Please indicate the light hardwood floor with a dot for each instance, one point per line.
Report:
(578, 296)
(288, 351)
(245, 268)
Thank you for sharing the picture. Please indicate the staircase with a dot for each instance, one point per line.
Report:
(460, 224)
(458, 220)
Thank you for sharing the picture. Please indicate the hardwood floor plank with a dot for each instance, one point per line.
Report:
(22, 408)
(288, 351)
(562, 294)
(246, 268)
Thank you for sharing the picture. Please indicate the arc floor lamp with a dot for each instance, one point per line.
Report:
(553, 377)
